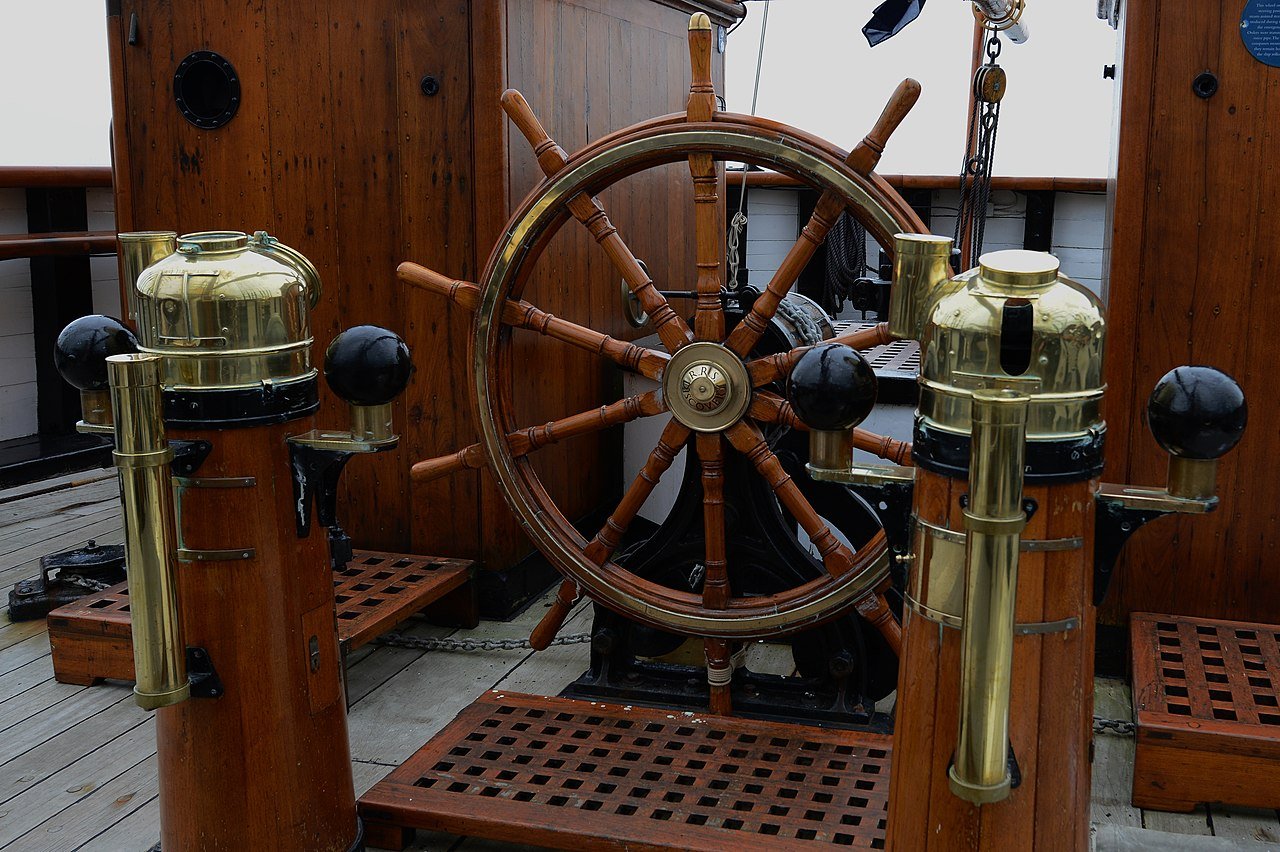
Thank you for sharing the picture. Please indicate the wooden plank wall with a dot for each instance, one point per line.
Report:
(337, 151)
(1194, 262)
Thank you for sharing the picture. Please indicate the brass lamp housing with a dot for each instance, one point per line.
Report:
(961, 345)
(228, 311)
(1011, 357)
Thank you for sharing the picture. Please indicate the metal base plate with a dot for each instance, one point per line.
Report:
(586, 775)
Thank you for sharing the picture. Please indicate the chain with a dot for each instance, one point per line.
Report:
(1113, 727)
(84, 582)
(980, 148)
(399, 640)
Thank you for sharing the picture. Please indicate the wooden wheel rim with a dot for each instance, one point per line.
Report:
(747, 139)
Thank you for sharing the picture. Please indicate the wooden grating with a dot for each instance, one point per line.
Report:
(583, 775)
(91, 637)
(377, 591)
(1207, 702)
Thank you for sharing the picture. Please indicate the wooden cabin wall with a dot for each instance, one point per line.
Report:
(337, 151)
(1194, 264)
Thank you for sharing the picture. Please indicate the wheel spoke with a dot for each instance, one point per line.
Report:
(772, 368)
(770, 408)
(544, 633)
(708, 219)
(866, 155)
(715, 585)
(671, 329)
(715, 582)
(874, 608)
(524, 441)
(746, 439)
(610, 536)
(521, 314)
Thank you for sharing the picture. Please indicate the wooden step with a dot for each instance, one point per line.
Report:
(1206, 694)
(92, 641)
(572, 774)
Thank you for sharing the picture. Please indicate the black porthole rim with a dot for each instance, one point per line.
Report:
(233, 83)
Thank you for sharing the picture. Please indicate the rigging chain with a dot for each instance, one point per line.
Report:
(980, 148)
(417, 643)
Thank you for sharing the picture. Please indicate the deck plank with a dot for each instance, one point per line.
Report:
(75, 783)
(21, 679)
(1196, 822)
(137, 832)
(390, 724)
(26, 561)
(1246, 824)
(1113, 759)
(13, 632)
(95, 813)
(48, 723)
(33, 766)
(24, 651)
(33, 701)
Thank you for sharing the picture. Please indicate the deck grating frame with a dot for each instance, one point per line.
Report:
(1207, 705)
(91, 637)
(577, 774)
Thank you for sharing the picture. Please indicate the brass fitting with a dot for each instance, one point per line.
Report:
(994, 521)
(142, 457)
(921, 265)
(138, 250)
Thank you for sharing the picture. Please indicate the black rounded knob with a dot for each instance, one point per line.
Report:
(1197, 412)
(367, 365)
(832, 387)
(81, 350)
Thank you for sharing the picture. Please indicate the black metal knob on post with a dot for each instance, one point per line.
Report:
(368, 366)
(1197, 414)
(80, 356)
(832, 389)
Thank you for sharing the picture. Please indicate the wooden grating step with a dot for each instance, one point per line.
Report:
(572, 774)
(1207, 701)
(91, 637)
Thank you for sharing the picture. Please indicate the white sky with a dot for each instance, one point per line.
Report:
(818, 74)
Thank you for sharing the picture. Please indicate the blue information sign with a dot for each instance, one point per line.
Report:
(1260, 29)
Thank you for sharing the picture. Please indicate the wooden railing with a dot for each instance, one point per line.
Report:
(58, 243)
(1024, 184)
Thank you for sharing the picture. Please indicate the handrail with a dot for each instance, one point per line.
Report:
(47, 177)
(57, 244)
(1025, 184)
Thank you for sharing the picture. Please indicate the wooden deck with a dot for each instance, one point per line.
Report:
(77, 764)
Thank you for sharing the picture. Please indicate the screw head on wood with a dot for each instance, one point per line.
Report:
(430, 86)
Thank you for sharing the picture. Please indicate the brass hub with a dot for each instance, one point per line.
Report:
(707, 387)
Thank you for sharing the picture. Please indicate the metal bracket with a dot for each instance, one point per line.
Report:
(891, 501)
(1120, 512)
(201, 674)
(1029, 506)
(188, 456)
(315, 479)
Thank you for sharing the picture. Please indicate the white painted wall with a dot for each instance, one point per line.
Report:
(104, 270)
(1078, 223)
(17, 349)
(17, 343)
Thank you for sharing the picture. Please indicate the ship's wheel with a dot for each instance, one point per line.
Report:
(716, 398)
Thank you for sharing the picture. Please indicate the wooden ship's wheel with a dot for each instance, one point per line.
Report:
(716, 398)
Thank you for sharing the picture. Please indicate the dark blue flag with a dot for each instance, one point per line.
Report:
(889, 18)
